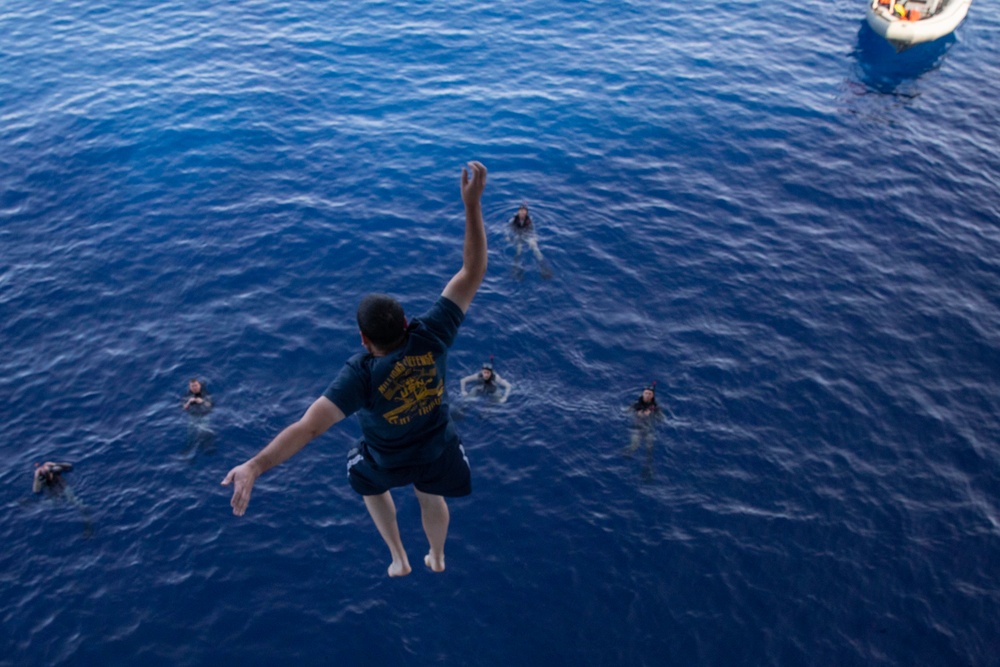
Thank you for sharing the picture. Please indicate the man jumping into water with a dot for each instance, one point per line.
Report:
(397, 388)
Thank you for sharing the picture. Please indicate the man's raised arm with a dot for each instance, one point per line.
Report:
(464, 284)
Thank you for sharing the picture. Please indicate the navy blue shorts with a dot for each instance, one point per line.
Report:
(448, 476)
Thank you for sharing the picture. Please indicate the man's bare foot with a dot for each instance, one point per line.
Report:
(435, 564)
(399, 569)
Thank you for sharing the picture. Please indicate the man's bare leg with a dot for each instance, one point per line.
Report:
(383, 512)
(435, 517)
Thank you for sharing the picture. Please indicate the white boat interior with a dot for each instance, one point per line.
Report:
(907, 22)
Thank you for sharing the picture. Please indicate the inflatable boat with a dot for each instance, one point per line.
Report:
(907, 22)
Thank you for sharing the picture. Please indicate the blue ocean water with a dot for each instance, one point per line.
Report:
(792, 229)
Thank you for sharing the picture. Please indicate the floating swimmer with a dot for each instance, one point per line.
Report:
(198, 404)
(198, 401)
(486, 383)
(522, 229)
(645, 414)
(48, 478)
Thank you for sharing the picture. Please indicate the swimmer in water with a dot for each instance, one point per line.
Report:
(522, 229)
(645, 414)
(198, 404)
(197, 401)
(486, 383)
(48, 478)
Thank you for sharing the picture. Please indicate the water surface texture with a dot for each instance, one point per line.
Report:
(792, 229)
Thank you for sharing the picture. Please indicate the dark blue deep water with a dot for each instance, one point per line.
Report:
(792, 229)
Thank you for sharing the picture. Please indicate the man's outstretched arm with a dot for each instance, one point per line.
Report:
(464, 284)
(320, 416)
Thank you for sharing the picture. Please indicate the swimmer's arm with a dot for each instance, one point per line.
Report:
(464, 284)
(36, 485)
(466, 380)
(195, 399)
(320, 416)
(505, 386)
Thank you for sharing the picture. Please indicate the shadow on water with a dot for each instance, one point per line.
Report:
(882, 70)
(647, 472)
(644, 445)
(63, 495)
(482, 408)
(200, 438)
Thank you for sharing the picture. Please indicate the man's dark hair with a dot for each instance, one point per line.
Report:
(381, 320)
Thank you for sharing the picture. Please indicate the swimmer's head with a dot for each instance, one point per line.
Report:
(487, 371)
(381, 320)
(648, 395)
(194, 386)
(522, 211)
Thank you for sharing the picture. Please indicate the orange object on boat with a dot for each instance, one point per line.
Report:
(912, 14)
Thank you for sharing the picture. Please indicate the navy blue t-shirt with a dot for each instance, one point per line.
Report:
(400, 398)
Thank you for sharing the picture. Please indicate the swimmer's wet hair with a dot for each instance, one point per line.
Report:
(381, 320)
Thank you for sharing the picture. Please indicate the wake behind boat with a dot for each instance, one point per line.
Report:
(908, 22)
